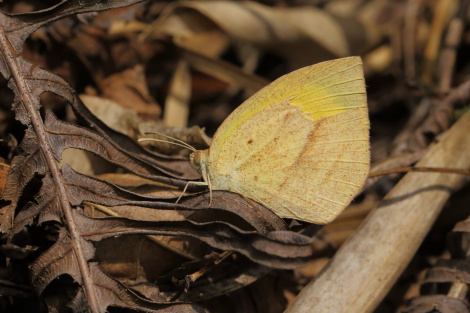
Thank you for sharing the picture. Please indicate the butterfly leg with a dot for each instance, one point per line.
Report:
(194, 183)
(210, 190)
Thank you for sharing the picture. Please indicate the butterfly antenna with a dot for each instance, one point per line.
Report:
(170, 142)
(178, 142)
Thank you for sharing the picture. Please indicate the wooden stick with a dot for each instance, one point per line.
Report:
(368, 264)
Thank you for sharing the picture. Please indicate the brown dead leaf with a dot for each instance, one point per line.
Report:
(129, 89)
(4, 170)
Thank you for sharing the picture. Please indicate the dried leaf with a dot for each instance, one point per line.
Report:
(113, 115)
(18, 27)
(177, 100)
(292, 32)
(130, 90)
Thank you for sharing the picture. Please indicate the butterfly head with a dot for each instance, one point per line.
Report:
(199, 160)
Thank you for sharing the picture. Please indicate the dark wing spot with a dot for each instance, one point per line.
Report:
(250, 141)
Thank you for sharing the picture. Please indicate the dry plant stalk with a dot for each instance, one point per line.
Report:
(367, 266)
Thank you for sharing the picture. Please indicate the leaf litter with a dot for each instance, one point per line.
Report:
(110, 237)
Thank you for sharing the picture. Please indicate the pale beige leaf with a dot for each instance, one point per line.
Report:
(178, 98)
(112, 114)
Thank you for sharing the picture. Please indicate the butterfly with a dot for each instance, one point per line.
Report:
(299, 146)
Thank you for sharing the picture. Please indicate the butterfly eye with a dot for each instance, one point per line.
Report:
(195, 160)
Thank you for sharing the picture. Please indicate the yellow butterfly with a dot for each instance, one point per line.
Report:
(299, 146)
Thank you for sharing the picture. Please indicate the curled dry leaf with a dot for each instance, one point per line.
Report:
(451, 272)
(292, 33)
